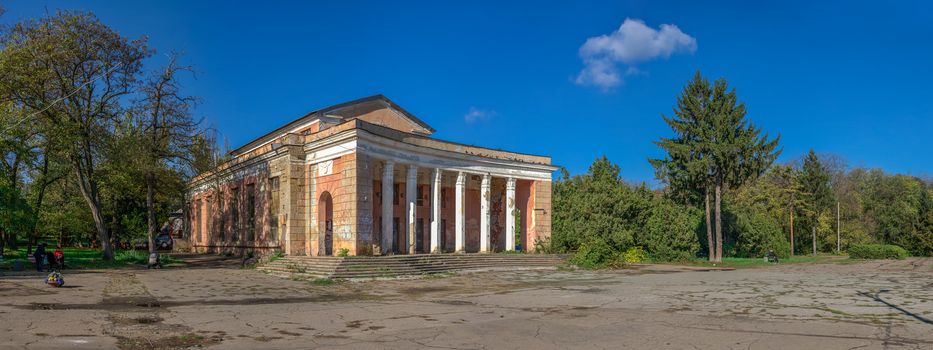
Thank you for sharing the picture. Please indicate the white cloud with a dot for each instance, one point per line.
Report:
(478, 115)
(633, 43)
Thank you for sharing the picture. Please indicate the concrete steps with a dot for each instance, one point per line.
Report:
(404, 265)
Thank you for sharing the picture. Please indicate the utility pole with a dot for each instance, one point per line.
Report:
(814, 240)
(838, 243)
(792, 232)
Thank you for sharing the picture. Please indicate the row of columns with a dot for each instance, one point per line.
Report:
(411, 184)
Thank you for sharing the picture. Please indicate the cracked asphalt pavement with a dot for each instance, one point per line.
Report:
(839, 305)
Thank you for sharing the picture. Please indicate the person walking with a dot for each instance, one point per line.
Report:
(40, 256)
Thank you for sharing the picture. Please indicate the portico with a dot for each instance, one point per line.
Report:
(365, 178)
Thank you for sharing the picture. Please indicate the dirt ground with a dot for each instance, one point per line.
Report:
(843, 305)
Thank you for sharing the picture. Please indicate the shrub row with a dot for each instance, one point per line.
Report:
(876, 251)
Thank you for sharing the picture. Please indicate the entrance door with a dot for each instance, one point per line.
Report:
(325, 212)
(419, 236)
(395, 236)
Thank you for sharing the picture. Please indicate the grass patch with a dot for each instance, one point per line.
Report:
(754, 262)
(322, 281)
(86, 258)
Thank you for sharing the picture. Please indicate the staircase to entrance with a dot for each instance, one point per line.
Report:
(366, 267)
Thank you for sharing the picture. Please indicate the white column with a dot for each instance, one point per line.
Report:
(388, 193)
(484, 214)
(510, 215)
(436, 212)
(411, 196)
(460, 220)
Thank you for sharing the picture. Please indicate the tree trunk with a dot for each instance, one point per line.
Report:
(88, 187)
(43, 183)
(150, 211)
(719, 222)
(709, 227)
(814, 240)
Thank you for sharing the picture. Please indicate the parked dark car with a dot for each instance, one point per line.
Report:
(162, 241)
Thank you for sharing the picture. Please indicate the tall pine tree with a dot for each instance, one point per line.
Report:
(686, 170)
(714, 147)
(815, 194)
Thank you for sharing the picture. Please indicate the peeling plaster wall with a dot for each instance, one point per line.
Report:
(340, 183)
(345, 160)
(541, 218)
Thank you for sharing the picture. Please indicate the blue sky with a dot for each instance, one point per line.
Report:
(850, 78)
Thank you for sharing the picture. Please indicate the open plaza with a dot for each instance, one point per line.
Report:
(212, 302)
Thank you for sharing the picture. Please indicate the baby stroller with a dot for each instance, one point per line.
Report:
(155, 262)
(57, 260)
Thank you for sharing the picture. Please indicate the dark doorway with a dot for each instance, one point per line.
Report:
(325, 212)
(443, 244)
(419, 236)
(395, 237)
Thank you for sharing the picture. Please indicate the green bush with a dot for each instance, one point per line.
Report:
(755, 234)
(635, 255)
(670, 234)
(594, 254)
(544, 246)
(344, 252)
(876, 251)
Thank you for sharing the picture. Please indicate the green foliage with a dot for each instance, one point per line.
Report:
(596, 253)
(671, 231)
(15, 212)
(755, 233)
(635, 255)
(714, 148)
(543, 246)
(877, 251)
(140, 257)
(344, 252)
(816, 197)
(597, 206)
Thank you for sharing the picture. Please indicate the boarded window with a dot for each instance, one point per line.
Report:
(221, 215)
(420, 196)
(235, 215)
(250, 212)
(274, 208)
(196, 226)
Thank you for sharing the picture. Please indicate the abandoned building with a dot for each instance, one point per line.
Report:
(366, 178)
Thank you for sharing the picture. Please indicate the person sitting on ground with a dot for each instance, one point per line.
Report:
(59, 258)
(771, 256)
(40, 257)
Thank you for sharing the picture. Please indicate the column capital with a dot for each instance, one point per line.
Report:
(412, 171)
(487, 180)
(510, 184)
(389, 163)
(461, 178)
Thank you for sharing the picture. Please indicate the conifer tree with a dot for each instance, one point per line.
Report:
(714, 147)
(815, 194)
(686, 170)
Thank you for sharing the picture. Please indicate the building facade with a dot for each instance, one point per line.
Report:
(366, 178)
